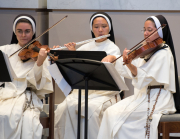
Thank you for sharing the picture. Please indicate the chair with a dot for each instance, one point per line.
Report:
(169, 124)
(48, 122)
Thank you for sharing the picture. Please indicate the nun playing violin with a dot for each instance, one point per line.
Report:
(20, 100)
(156, 89)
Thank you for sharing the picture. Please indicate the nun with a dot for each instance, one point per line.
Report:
(155, 81)
(20, 100)
(66, 114)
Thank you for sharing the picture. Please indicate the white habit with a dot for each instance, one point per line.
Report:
(127, 118)
(15, 121)
(66, 114)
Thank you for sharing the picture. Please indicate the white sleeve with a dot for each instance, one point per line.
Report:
(160, 68)
(41, 78)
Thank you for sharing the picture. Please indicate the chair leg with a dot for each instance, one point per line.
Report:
(51, 113)
(165, 130)
(159, 137)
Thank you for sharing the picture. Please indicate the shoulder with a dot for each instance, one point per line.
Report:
(163, 54)
(85, 46)
(112, 43)
(9, 48)
(7, 45)
(113, 48)
(164, 51)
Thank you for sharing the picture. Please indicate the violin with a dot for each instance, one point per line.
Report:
(143, 49)
(32, 51)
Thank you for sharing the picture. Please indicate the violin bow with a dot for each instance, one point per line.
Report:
(38, 36)
(133, 48)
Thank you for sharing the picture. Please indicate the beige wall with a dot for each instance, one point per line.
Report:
(127, 28)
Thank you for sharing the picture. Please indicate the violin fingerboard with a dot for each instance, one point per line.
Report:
(36, 49)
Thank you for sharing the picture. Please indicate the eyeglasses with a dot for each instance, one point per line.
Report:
(143, 30)
(26, 32)
(149, 31)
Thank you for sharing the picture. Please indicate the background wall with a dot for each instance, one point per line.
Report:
(128, 19)
(114, 4)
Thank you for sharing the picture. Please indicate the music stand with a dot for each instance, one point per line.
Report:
(6, 72)
(88, 75)
(93, 55)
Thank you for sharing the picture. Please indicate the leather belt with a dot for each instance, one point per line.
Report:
(155, 86)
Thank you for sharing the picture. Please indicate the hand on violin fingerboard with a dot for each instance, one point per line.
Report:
(126, 59)
(41, 56)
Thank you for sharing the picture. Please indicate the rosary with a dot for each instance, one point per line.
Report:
(149, 116)
(28, 103)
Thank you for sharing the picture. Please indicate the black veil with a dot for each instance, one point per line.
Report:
(168, 39)
(111, 37)
(14, 39)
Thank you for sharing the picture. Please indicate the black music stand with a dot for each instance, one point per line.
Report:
(93, 55)
(88, 75)
(6, 73)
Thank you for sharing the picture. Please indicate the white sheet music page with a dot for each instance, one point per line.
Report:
(59, 79)
(115, 75)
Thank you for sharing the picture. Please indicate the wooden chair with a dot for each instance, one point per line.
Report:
(169, 124)
(48, 122)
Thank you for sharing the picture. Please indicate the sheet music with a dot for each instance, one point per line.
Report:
(115, 75)
(59, 79)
